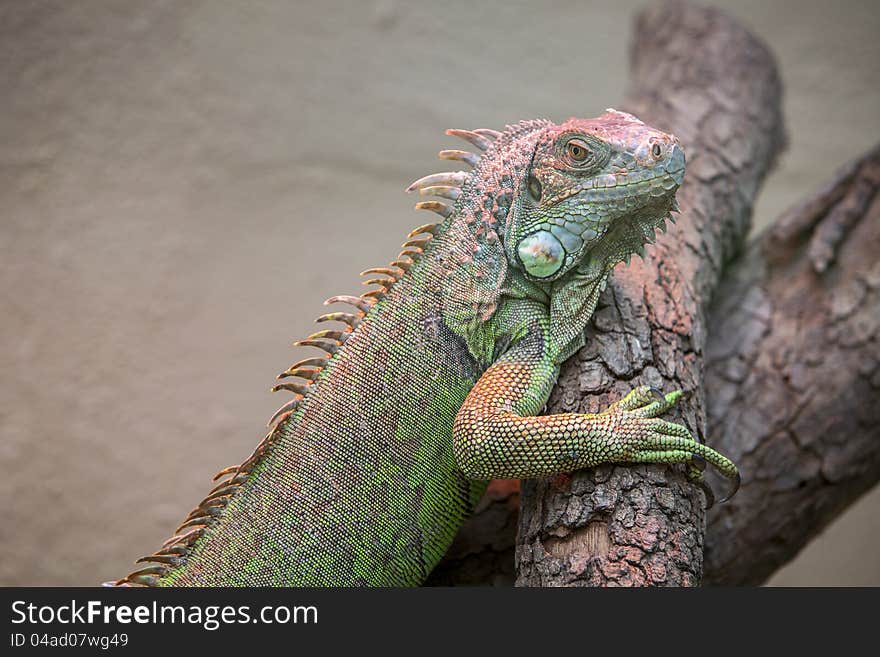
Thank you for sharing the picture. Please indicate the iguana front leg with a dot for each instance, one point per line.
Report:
(497, 435)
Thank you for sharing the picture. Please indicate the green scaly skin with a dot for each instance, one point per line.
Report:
(433, 384)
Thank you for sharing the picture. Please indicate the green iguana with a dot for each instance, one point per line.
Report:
(434, 382)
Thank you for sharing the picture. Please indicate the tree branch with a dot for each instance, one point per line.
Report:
(793, 376)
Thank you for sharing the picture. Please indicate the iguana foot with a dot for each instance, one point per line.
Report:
(637, 435)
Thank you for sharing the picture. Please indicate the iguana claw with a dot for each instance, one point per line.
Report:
(657, 394)
(734, 487)
(710, 495)
(695, 470)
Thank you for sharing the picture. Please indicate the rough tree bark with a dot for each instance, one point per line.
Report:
(792, 381)
(793, 376)
(699, 74)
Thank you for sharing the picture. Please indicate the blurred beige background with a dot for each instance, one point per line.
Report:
(183, 183)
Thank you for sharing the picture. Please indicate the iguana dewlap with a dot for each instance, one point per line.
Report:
(433, 380)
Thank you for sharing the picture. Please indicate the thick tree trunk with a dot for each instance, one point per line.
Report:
(699, 74)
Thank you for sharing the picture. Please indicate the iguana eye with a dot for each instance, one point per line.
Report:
(657, 151)
(577, 150)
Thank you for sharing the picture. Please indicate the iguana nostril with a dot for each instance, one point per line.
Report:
(675, 164)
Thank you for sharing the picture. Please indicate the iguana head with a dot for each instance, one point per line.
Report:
(546, 203)
(595, 190)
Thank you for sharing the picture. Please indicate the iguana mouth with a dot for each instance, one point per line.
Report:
(634, 187)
